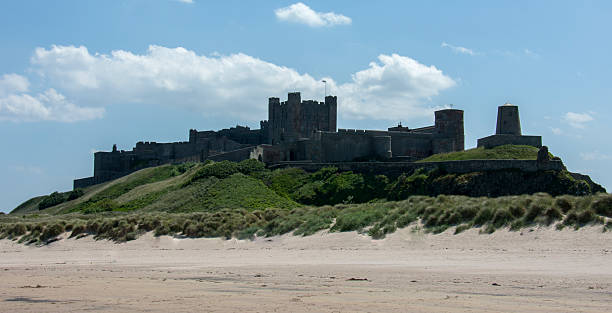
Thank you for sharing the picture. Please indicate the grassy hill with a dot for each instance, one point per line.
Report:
(212, 186)
(514, 152)
(243, 199)
(172, 188)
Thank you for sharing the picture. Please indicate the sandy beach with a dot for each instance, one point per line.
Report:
(536, 270)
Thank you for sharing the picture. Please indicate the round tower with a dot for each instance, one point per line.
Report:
(508, 122)
(449, 131)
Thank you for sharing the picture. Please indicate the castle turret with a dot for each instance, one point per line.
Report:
(332, 105)
(508, 122)
(449, 134)
(274, 119)
(294, 97)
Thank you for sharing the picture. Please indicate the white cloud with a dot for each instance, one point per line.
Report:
(594, 156)
(17, 105)
(186, 1)
(237, 85)
(10, 83)
(397, 87)
(556, 131)
(27, 169)
(458, 49)
(303, 14)
(531, 53)
(577, 120)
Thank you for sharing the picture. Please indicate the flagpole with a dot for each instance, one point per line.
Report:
(325, 84)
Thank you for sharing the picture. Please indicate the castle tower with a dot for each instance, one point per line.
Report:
(274, 120)
(293, 124)
(449, 131)
(508, 122)
(332, 105)
(508, 130)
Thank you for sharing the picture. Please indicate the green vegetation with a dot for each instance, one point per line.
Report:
(56, 198)
(213, 186)
(241, 191)
(245, 199)
(514, 152)
(377, 219)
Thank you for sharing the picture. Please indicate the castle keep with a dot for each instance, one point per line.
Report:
(296, 130)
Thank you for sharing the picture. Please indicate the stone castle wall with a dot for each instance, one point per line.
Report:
(500, 140)
(296, 130)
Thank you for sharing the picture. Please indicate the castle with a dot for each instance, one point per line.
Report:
(306, 131)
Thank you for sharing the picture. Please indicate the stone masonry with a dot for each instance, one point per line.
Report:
(508, 130)
(296, 130)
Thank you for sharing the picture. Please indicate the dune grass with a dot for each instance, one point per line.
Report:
(377, 219)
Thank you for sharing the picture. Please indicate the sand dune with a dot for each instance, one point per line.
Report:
(541, 270)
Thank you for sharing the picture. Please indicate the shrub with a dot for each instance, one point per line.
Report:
(405, 186)
(501, 218)
(586, 216)
(17, 230)
(103, 205)
(51, 231)
(78, 229)
(358, 217)
(564, 203)
(603, 205)
(75, 194)
(580, 188)
(552, 214)
(484, 215)
(182, 168)
(163, 229)
(221, 169)
(53, 199)
(534, 210)
(288, 181)
(516, 211)
(580, 218)
(248, 233)
(250, 166)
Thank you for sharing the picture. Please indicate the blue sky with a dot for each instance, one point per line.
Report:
(79, 76)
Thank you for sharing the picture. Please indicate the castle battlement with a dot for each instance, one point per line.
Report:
(296, 130)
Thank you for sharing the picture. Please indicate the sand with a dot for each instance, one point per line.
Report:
(536, 270)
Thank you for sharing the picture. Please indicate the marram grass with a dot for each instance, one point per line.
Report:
(377, 219)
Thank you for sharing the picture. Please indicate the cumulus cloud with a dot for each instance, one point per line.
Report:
(303, 14)
(16, 104)
(237, 85)
(395, 87)
(556, 131)
(10, 83)
(577, 120)
(186, 1)
(458, 49)
(594, 156)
